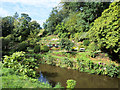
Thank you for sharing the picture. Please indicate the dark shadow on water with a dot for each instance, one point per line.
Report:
(44, 75)
(48, 74)
(53, 83)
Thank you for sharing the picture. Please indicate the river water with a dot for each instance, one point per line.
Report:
(54, 74)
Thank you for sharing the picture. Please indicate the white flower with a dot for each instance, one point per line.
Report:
(104, 68)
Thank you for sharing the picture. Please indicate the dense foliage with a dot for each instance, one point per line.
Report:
(105, 31)
(76, 17)
(67, 44)
(21, 63)
(91, 26)
(12, 80)
(18, 33)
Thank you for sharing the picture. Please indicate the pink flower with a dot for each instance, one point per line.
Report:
(99, 63)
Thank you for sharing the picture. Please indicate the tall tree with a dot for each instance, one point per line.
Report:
(21, 30)
(53, 20)
(26, 17)
(16, 15)
(106, 31)
(90, 11)
(7, 25)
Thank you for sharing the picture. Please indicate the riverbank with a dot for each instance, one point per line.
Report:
(82, 63)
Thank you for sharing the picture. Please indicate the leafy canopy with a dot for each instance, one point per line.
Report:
(106, 30)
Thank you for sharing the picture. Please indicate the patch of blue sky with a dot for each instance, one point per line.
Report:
(38, 11)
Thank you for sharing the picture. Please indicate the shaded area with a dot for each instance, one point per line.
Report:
(84, 80)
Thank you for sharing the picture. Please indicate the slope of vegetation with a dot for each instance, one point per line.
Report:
(82, 36)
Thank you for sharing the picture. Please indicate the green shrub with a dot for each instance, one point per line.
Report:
(63, 35)
(66, 44)
(44, 48)
(113, 70)
(11, 80)
(97, 68)
(81, 46)
(30, 49)
(93, 47)
(22, 46)
(20, 64)
(6, 42)
(86, 42)
(70, 84)
(58, 85)
(37, 49)
(77, 36)
(49, 60)
(67, 62)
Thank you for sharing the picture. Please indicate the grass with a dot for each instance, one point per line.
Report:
(12, 80)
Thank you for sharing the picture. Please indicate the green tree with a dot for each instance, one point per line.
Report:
(7, 25)
(34, 28)
(89, 12)
(71, 23)
(60, 28)
(26, 17)
(22, 30)
(106, 31)
(53, 20)
(66, 44)
(16, 15)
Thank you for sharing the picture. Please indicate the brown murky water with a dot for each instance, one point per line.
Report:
(84, 80)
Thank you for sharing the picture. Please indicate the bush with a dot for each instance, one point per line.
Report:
(67, 62)
(113, 70)
(30, 49)
(11, 80)
(66, 44)
(44, 48)
(81, 46)
(22, 46)
(37, 49)
(20, 64)
(92, 49)
(6, 42)
(71, 83)
(58, 85)
(77, 36)
(63, 35)
(86, 42)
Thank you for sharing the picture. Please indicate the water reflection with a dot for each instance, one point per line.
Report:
(43, 79)
(84, 80)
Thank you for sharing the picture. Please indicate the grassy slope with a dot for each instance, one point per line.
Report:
(58, 54)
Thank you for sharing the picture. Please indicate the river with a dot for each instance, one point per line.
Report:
(56, 74)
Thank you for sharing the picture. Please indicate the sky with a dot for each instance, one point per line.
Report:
(38, 10)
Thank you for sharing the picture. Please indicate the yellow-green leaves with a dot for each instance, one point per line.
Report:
(106, 29)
